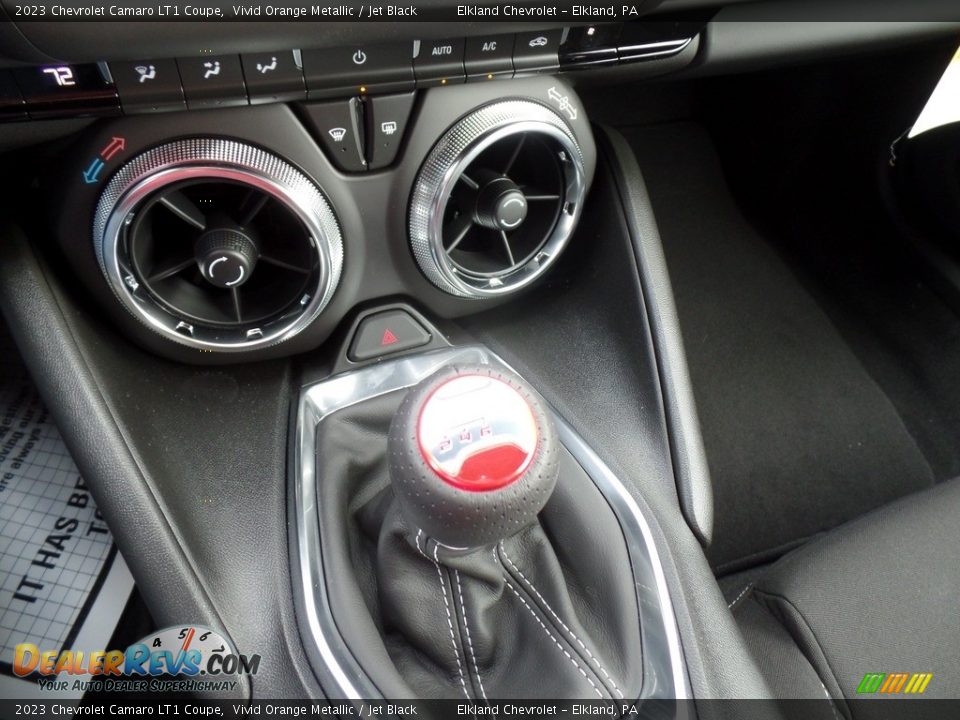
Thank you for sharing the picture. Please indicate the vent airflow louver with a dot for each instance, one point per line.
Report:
(504, 207)
(222, 254)
(497, 199)
(217, 244)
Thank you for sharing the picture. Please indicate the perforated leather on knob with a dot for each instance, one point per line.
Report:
(472, 514)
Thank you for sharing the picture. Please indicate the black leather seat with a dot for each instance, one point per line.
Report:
(878, 595)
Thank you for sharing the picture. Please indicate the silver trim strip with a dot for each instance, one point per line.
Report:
(339, 673)
(636, 53)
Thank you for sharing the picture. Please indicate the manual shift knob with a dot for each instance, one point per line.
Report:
(473, 456)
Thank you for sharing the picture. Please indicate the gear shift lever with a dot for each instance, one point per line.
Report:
(473, 456)
(499, 569)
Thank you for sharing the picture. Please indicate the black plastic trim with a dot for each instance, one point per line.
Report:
(694, 487)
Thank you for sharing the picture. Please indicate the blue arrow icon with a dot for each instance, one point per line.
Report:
(90, 174)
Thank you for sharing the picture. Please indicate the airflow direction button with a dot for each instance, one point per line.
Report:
(273, 76)
(212, 81)
(148, 85)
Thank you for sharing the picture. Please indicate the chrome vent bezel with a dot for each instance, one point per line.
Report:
(448, 160)
(214, 159)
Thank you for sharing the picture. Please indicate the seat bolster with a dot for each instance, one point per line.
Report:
(878, 595)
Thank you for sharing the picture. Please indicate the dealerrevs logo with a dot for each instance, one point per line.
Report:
(176, 651)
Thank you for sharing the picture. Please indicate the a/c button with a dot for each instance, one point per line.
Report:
(387, 332)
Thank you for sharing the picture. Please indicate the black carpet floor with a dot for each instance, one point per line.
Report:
(799, 436)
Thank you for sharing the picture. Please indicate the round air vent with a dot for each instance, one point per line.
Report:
(497, 199)
(217, 244)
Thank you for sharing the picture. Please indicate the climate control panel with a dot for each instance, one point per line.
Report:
(215, 80)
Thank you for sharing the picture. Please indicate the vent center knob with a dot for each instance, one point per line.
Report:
(501, 205)
(226, 257)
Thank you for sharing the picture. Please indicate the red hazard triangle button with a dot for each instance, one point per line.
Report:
(383, 333)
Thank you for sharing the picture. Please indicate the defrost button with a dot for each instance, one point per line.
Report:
(338, 126)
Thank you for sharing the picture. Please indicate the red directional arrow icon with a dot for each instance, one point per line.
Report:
(115, 145)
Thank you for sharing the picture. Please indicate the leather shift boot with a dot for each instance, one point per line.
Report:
(549, 613)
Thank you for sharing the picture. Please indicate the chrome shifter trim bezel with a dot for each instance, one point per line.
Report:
(341, 676)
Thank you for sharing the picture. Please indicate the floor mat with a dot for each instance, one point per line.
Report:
(62, 582)
(799, 437)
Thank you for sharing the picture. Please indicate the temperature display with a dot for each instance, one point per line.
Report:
(82, 89)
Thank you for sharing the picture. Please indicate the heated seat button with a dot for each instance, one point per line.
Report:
(339, 127)
(537, 52)
(386, 123)
(212, 81)
(387, 332)
(148, 85)
(334, 72)
(488, 57)
(273, 77)
(439, 62)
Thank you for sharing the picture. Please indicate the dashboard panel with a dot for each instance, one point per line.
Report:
(371, 207)
(381, 138)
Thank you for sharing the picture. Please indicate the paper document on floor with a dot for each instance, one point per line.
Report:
(63, 585)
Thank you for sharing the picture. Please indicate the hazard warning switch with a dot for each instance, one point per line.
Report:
(388, 332)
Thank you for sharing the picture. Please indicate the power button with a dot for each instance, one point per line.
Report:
(338, 72)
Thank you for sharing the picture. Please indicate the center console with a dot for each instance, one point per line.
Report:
(423, 303)
(465, 553)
